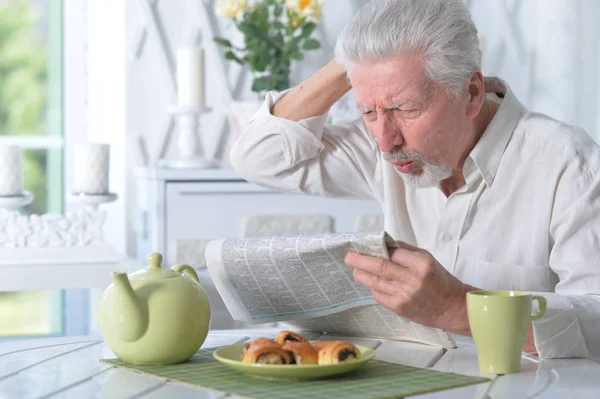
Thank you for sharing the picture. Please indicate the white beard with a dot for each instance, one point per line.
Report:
(431, 175)
(432, 172)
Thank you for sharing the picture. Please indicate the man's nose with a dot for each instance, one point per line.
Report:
(387, 134)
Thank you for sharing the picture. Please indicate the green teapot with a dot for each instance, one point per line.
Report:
(155, 316)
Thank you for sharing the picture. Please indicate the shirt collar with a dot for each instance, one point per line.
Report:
(488, 151)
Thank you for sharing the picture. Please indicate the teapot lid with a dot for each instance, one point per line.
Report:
(154, 271)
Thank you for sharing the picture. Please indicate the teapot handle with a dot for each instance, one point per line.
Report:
(186, 270)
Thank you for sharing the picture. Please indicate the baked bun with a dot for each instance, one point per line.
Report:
(338, 352)
(256, 342)
(302, 352)
(267, 354)
(283, 336)
(319, 345)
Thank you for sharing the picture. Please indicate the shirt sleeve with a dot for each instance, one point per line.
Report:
(571, 325)
(308, 156)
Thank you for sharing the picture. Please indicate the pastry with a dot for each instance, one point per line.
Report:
(256, 342)
(302, 352)
(319, 345)
(286, 335)
(267, 354)
(338, 352)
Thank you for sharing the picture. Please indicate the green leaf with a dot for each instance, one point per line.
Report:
(311, 44)
(308, 29)
(297, 55)
(229, 55)
(263, 83)
(223, 42)
(257, 62)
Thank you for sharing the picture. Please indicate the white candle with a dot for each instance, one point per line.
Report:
(190, 77)
(11, 171)
(91, 164)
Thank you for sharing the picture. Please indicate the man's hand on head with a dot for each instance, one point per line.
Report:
(413, 284)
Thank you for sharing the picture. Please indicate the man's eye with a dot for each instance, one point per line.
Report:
(410, 113)
(368, 112)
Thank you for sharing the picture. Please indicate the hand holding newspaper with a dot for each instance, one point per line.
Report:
(303, 281)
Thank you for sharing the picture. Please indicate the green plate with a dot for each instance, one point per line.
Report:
(230, 355)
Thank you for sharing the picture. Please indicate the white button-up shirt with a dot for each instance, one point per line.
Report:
(528, 217)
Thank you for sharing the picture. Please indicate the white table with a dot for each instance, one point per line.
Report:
(69, 368)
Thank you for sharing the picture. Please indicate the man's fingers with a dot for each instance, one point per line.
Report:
(374, 282)
(374, 265)
(392, 302)
(407, 246)
(408, 255)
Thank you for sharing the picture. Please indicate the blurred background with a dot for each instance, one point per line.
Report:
(104, 70)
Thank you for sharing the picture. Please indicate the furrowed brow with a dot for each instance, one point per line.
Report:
(393, 106)
(399, 104)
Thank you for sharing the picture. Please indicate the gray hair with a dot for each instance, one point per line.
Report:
(442, 31)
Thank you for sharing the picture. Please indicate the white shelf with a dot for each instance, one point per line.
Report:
(60, 268)
(188, 174)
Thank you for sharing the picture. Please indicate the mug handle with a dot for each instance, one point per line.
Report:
(542, 306)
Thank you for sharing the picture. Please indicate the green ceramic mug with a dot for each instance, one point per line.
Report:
(499, 321)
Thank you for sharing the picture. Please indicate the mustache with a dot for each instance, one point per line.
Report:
(398, 153)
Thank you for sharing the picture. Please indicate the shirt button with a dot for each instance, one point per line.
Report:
(446, 237)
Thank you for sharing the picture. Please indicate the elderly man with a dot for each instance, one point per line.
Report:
(480, 192)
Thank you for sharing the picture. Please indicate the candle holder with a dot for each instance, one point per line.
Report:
(91, 200)
(16, 201)
(189, 140)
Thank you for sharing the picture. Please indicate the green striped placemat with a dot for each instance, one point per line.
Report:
(375, 380)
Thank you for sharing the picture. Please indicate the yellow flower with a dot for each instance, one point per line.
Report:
(307, 8)
(231, 8)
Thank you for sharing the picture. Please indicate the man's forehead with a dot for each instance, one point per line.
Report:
(395, 97)
(389, 82)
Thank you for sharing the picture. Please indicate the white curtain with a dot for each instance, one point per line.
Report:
(566, 62)
(549, 52)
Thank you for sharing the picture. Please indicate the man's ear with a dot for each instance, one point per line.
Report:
(476, 93)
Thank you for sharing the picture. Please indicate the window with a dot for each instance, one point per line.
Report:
(31, 116)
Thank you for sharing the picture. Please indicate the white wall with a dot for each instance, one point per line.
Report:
(547, 50)
(106, 105)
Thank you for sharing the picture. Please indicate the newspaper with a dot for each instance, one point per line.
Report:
(304, 282)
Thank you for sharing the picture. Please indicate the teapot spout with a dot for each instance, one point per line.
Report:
(131, 316)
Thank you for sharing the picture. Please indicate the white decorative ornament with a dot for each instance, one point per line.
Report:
(83, 228)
